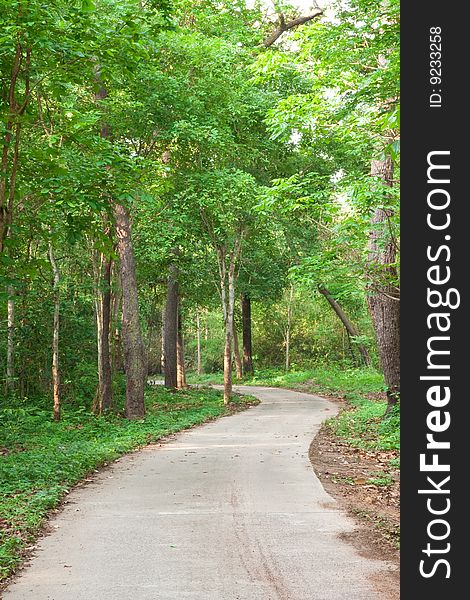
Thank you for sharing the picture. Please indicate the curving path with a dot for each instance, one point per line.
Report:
(231, 510)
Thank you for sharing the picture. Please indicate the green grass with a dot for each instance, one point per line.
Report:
(41, 460)
(364, 425)
(326, 380)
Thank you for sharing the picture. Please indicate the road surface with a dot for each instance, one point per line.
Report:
(231, 510)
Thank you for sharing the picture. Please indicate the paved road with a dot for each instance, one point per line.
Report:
(231, 510)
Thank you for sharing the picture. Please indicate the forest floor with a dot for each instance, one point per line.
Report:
(355, 454)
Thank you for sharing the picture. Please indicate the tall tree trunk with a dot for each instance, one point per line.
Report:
(350, 328)
(9, 160)
(236, 353)
(134, 351)
(55, 336)
(171, 329)
(227, 295)
(180, 367)
(135, 363)
(162, 349)
(198, 341)
(106, 391)
(99, 337)
(383, 295)
(102, 270)
(247, 342)
(230, 306)
(10, 381)
(288, 327)
(117, 363)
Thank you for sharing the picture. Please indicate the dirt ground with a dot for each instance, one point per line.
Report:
(346, 474)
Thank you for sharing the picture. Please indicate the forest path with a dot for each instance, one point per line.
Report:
(231, 510)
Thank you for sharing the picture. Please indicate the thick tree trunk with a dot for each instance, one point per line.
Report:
(198, 341)
(134, 351)
(236, 353)
(247, 342)
(350, 328)
(171, 329)
(10, 381)
(55, 336)
(180, 367)
(383, 298)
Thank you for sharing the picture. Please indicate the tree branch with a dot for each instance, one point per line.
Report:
(287, 25)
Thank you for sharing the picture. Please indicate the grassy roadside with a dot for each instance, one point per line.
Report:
(324, 380)
(40, 460)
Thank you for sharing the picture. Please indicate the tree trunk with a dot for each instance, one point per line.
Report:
(236, 353)
(55, 336)
(9, 161)
(10, 381)
(229, 329)
(117, 363)
(102, 268)
(198, 340)
(135, 363)
(134, 351)
(227, 295)
(171, 329)
(288, 328)
(106, 391)
(99, 342)
(228, 364)
(350, 328)
(247, 343)
(383, 298)
(180, 368)
(162, 350)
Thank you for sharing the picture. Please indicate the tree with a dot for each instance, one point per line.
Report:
(383, 299)
(247, 335)
(171, 329)
(55, 335)
(350, 328)
(133, 346)
(350, 114)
